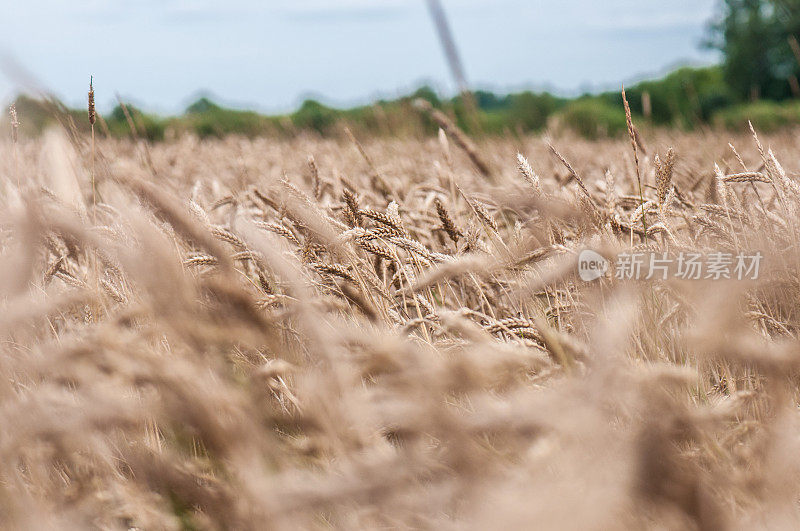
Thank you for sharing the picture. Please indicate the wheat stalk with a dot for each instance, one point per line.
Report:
(460, 137)
(448, 224)
(527, 172)
(629, 121)
(14, 138)
(92, 118)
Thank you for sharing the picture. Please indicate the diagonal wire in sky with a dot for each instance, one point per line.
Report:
(448, 44)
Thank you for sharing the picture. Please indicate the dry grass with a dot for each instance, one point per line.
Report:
(380, 337)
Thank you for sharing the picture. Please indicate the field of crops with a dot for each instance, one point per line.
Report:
(391, 333)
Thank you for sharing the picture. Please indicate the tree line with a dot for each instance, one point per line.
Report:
(756, 80)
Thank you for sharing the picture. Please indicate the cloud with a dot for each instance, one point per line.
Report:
(345, 5)
(643, 22)
(351, 9)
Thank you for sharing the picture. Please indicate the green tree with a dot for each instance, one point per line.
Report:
(314, 115)
(754, 37)
(202, 105)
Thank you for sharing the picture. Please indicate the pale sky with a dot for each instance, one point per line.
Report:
(271, 54)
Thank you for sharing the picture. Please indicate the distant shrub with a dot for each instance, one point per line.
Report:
(428, 94)
(146, 125)
(530, 111)
(489, 101)
(711, 102)
(766, 116)
(495, 122)
(594, 118)
(316, 116)
(34, 114)
(221, 122)
(208, 119)
(152, 127)
(524, 112)
(202, 105)
(683, 98)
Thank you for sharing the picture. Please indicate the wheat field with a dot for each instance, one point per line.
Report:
(363, 333)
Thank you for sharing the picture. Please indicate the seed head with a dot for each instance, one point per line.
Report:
(448, 224)
(312, 166)
(352, 213)
(14, 122)
(664, 175)
(92, 116)
(527, 172)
